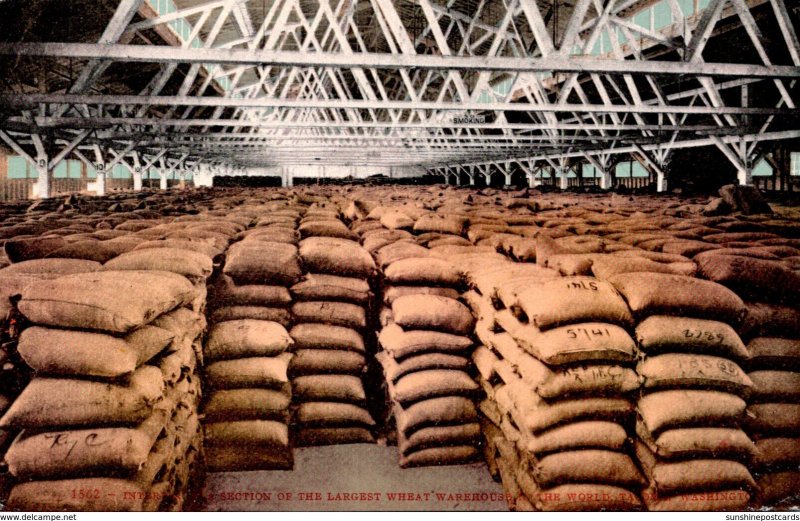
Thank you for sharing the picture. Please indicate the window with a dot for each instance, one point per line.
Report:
(662, 15)
(762, 168)
(795, 170)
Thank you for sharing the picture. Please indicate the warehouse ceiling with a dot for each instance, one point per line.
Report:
(435, 83)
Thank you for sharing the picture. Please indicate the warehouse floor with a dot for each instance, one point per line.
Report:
(354, 477)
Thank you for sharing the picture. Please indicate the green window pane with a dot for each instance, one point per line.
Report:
(702, 4)
(642, 19)
(662, 15)
(795, 160)
(621, 36)
(762, 168)
(73, 169)
(17, 167)
(687, 7)
(91, 173)
(60, 171)
(623, 169)
(639, 170)
(606, 42)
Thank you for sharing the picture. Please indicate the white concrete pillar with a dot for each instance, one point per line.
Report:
(162, 179)
(605, 180)
(563, 181)
(661, 182)
(100, 183)
(41, 189)
(508, 179)
(137, 178)
(745, 176)
(488, 177)
(471, 179)
(287, 179)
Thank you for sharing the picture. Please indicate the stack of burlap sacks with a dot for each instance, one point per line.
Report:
(425, 338)
(774, 405)
(14, 372)
(333, 301)
(690, 440)
(247, 408)
(110, 419)
(772, 328)
(557, 367)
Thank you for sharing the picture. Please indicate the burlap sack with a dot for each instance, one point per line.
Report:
(777, 487)
(256, 262)
(451, 435)
(333, 436)
(247, 404)
(533, 414)
(114, 301)
(325, 336)
(392, 293)
(331, 287)
(777, 452)
(457, 455)
(225, 293)
(323, 361)
(581, 342)
(433, 383)
(51, 266)
(399, 250)
(450, 410)
(662, 334)
(693, 475)
(59, 402)
(605, 267)
(64, 352)
(29, 248)
(402, 344)
(689, 408)
(333, 313)
(764, 319)
(236, 458)
(332, 414)
(664, 294)
(280, 316)
(336, 257)
(778, 419)
(575, 435)
(259, 433)
(245, 338)
(775, 386)
(75, 453)
(183, 262)
(767, 352)
(335, 388)
(431, 312)
(698, 442)
(694, 371)
(573, 300)
(197, 246)
(423, 271)
(587, 466)
(269, 372)
(393, 370)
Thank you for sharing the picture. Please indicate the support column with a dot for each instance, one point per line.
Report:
(605, 180)
(661, 182)
(44, 178)
(745, 176)
(182, 179)
(100, 182)
(162, 179)
(561, 172)
(137, 178)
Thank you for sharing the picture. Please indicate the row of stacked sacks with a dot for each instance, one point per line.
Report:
(246, 413)
(558, 367)
(332, 313)
(773, 333)
(425, 337)
(109, 420)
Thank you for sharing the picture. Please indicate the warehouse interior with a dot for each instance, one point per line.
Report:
(449, 255)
